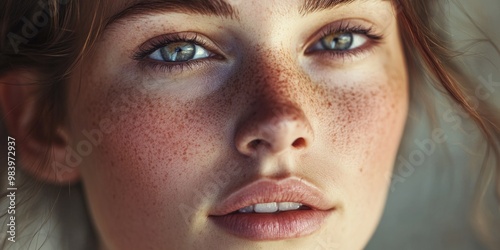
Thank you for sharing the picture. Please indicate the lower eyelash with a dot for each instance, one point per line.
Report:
(172, 67)
(348, 54)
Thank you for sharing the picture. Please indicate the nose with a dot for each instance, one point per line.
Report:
(274, 128)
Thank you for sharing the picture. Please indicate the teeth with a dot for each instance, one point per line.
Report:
(245, 210)
(266, 207)
(287, 206)
(271, 207)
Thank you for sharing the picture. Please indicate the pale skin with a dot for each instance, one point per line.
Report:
(335, 122)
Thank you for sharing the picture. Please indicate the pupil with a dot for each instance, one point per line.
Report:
(178, 52)
(337, 41)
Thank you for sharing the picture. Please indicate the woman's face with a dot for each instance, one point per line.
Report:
(188, 111)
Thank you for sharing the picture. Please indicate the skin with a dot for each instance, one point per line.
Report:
(173, 135)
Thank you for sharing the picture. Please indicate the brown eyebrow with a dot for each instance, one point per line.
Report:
(203, 7)
(311, 6)
(209, 7)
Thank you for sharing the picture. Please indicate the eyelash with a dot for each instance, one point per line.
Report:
(161, 41)
(346, 27)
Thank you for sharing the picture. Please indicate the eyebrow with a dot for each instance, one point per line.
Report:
(209, 7)
(203, 7)
(311, 6)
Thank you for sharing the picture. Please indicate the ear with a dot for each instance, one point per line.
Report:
(40, 157)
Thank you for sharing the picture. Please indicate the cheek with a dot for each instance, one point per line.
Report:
(156, 152)
(363, 127)
(365, 120)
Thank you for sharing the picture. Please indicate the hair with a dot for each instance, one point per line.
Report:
(432, 56)
(58, 43)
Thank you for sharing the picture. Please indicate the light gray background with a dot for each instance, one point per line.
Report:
(432, 208)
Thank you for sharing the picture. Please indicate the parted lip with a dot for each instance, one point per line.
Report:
(265, 191)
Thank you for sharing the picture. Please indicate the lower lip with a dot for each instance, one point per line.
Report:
(285, 225)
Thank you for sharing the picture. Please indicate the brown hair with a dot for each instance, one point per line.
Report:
(54, 46)
(432, 55)
(48, 37)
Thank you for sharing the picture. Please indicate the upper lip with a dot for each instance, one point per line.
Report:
(265, 191)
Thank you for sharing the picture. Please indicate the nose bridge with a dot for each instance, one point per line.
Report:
(275, 76)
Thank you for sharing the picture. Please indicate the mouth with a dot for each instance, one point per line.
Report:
(270, 210)
(272, 207)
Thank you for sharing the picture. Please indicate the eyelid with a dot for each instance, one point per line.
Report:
(141, 53)
(354, 26)
(151, 45)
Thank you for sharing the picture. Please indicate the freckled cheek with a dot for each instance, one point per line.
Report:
(365, 119)
(160, 138)
(364, 126)
(154, 155)
(152, 144)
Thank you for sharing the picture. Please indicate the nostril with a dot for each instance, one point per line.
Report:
(273, 130)
(254, 144)
(299, 143)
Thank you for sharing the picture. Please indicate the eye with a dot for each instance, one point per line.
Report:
(340, 41)
(181, 51)
(177, 52)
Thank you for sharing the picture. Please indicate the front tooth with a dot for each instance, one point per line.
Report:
(287, 206)
(266, 207)
(248, 209)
